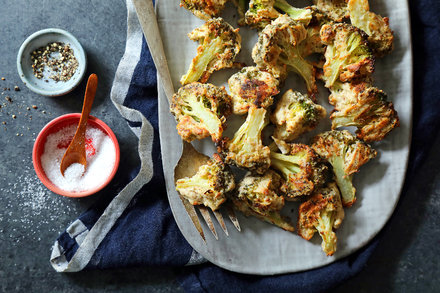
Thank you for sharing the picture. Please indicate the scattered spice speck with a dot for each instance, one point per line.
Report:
(8, 98)
(3, 78)
(14, 116)
(16, 88)
(34, 107)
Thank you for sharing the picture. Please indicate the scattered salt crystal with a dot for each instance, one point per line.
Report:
(101, 158)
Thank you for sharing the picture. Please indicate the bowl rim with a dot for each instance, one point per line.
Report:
(81, 65)
(39, 168)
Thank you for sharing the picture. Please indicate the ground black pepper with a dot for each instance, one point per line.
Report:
(57, 58)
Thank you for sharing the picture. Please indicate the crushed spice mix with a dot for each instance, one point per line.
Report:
(57, 58)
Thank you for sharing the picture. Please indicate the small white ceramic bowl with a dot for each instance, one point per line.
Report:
(49, 87)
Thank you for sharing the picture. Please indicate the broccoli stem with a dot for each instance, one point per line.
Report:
(206, 116)
(340, 121)
(278, 220)
(301, 67)
(343, 181)
(303, 15)
(274, 218)
(200, 63)
(249, 134)
(192, 182)
(325, 229)
(285, 163)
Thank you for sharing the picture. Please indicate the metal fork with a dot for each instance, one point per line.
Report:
(188, 165)
(150, 28)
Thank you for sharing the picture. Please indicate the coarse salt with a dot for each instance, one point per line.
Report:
(101, 156)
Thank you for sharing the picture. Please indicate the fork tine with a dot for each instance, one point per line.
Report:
(193, 215)
(220, 220)
(205, 213)
(233, 218)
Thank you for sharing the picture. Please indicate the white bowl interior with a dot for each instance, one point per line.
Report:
(47, 86)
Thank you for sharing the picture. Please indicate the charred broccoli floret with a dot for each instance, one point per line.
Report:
(322, 213)
(302, 168)
(252, 87)
(204, 9)
(294, 115)
(277, 51)
(380, 35)
(209, 185)
(346, 154)
(262, 12)
(219, 44)
(201, 110)
(363, 106)
(260, 196)
(334, 9)
(246, 149)
(347, 54)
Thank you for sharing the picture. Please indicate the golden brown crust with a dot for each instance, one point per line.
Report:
(364, 106)
(252, 87)
(335, 9)
(204, 9)
(191, 124)
(348, 56)
(323, 208)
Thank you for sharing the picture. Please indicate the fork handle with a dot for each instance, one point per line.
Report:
(148, 21)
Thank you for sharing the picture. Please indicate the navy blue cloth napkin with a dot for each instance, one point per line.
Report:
(160, 242)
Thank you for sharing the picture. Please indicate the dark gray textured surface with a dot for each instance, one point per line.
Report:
(31, 217)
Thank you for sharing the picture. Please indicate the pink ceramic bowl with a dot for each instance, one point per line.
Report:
(54, 126)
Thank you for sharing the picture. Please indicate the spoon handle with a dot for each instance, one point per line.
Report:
(76, 152)
(148, 21)
(89, 97)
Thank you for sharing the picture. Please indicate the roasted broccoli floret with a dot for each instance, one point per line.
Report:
(201, 110)
(294, 115)
(277, 51)
(302, 15)
(312, 43)
(380, 35)
(334, 9)
(302, 168)
(260, 196)
(252, 87)
(204, 9)
(322, 213)
(219, 44)
(209, 185)
(363, 106)
(246, 149)
(262, 12)
(346, 154)
(347, 55)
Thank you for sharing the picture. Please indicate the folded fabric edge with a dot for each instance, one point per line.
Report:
(90, 240)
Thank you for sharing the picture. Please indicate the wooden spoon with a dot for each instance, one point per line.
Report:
(76, 152)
